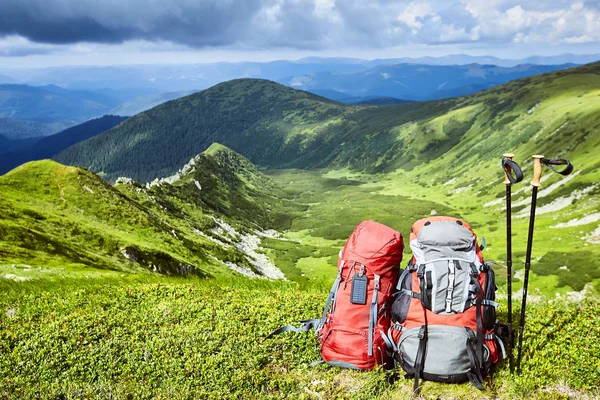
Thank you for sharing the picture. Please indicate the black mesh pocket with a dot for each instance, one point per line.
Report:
(489, 311)
(402, 299)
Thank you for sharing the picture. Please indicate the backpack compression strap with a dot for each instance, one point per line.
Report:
(474, 374)
(420, 358)
(316, 323)
(305, 326)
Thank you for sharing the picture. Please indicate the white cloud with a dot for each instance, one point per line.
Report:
(413, 14)
(303, 25)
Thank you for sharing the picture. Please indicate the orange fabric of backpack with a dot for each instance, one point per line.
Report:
(444, 311)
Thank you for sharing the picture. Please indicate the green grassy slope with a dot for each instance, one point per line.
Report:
(68, 218)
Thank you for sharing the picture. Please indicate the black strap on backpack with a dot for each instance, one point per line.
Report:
(559, 161)
(479, 320)
(475, 376)
(480, 362)
(420, 358)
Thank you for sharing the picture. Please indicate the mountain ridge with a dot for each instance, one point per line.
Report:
(277, 127)
(55, 215)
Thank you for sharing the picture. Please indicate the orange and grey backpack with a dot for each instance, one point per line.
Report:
(352, 330)
(444, 314)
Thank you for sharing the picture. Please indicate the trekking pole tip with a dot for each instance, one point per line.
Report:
(537, 170)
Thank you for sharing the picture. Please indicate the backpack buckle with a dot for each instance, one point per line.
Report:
(361, 272)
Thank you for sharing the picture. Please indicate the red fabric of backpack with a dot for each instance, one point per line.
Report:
(354, 334)
(356, 317)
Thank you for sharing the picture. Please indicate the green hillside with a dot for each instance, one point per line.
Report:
(64, 221)
(325, 167)
(392, 163)
(251, 116)
(275, 126)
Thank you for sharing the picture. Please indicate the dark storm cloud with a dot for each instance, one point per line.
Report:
(197, 23)
(301, 24)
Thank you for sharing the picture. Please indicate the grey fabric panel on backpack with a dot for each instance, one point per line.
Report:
(450, 281)
(445, 239)
(446, 351)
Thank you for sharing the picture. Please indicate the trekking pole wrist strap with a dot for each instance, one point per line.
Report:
(511, 167)
(559, 161)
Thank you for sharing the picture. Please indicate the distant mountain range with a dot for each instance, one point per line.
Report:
(6, 79)
(71, 95)
(15, 130)
(415, 82)
(154, 79)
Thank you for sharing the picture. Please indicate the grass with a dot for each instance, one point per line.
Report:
(150, 337)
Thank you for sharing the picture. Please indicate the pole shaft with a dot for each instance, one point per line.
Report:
(526, 279)
(509, 274)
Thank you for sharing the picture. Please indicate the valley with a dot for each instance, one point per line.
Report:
(149, 281)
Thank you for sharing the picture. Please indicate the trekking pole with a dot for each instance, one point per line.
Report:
(538, 160)
(535, 184)
(510, 167)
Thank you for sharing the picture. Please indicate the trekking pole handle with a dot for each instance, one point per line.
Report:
(537, 170)
(507, 168)
(511, 167)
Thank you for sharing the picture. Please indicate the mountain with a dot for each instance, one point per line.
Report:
(278, 127)
(55, 215)
(51, 103)
(346, 99)
(10, 145)
(465, 59)
(374, 100)
(156, 142)
(415, 81)
(155, 79)
(143, 103)
(51, 145)
(360, 162)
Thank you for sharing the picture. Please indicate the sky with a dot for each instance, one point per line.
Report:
(40, 33)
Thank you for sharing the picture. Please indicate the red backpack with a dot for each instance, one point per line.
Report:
(352, 330)
(444, 310)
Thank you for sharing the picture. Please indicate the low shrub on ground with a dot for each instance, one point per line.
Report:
(198, 339)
